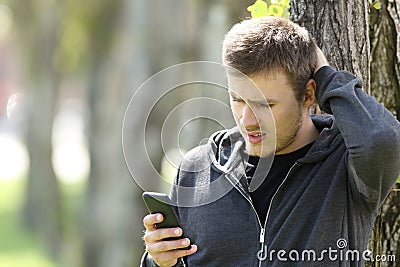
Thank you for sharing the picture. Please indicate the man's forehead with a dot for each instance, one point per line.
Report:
(241, 83)
(273, 85)
(244, 88)
(265, 74)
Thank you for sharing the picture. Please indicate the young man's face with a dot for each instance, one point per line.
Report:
(257, 118)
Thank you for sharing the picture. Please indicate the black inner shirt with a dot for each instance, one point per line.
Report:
(281, 165)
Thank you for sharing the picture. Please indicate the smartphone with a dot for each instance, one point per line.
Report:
(160, 203)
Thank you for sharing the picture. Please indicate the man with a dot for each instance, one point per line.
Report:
(330, 174)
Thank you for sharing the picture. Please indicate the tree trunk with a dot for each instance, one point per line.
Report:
(370, 48)
(114, 209)
(341, 31)
(42, 210)
(385, 86)
(385, 54)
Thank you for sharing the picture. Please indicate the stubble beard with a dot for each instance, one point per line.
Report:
(285, 140)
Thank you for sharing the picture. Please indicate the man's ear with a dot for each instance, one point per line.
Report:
(309, 94)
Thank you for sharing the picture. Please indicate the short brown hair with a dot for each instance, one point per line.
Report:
(268, 44)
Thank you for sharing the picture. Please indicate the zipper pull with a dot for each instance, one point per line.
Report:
(262, 234)
(260, 254)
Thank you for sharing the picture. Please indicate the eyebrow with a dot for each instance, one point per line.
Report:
(255, 101)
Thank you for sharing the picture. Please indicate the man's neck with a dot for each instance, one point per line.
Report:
(306, 134)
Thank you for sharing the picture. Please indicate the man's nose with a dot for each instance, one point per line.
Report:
(248, 119)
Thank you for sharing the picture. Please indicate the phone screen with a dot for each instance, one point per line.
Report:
(160, 203)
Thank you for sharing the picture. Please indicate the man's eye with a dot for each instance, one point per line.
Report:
(265, 105)
(237, 100)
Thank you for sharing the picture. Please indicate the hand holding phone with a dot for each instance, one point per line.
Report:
(164, 238)
(160, 203)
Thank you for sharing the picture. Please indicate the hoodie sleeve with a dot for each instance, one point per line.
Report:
(371, 134)
(147, 261)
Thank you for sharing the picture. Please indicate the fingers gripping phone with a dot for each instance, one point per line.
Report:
(160, 203)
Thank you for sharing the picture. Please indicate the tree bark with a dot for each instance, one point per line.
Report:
(341, 31)
(388, 223)
(370, 48)
(385, 86)
(385, 54)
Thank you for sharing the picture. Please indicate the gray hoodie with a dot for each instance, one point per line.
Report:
(322, 213)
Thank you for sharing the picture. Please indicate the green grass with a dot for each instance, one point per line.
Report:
(73, 203)
(29, 258)
(18, 247)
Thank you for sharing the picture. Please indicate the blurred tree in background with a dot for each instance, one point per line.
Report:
(97, 53)
(39, 22)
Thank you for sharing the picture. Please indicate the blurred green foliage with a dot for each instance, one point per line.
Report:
(83, 28)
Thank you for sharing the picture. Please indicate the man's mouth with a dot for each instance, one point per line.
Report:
(256, 137)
